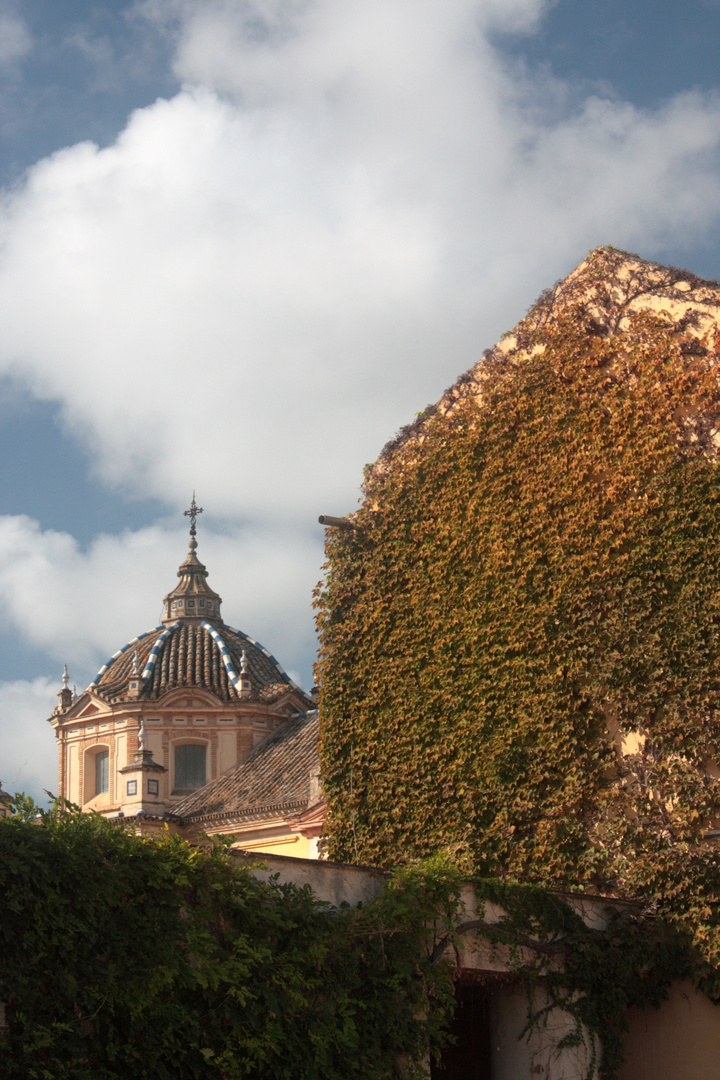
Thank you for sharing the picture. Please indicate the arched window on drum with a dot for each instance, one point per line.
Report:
(190, 767)
(97, 773)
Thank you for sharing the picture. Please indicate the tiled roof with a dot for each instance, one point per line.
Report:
(191, 655)
(276, 776)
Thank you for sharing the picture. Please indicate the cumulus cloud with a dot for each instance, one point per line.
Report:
(28, 753)
(265, 275)
(80, 606)
(268, 273)
(15, 38)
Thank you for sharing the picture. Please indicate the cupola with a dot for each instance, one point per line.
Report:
(192, 597)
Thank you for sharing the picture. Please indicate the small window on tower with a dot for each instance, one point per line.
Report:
(191, 603)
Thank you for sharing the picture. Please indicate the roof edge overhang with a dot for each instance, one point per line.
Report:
(284, 809)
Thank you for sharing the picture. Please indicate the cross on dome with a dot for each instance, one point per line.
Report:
(193, 514)
(192, 598)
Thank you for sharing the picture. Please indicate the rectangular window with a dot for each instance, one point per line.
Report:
(102, 772)
(189, 767)
(153, 787)
(132, 787)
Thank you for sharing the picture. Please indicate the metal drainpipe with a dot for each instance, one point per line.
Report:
(335, 522)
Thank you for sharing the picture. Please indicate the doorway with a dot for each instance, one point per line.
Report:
(470, 1056)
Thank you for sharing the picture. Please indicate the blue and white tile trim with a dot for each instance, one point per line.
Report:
(125, 648)
(225, 653)
(160, 641)
(265, 652)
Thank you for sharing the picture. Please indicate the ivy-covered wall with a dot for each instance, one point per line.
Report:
(520, 637)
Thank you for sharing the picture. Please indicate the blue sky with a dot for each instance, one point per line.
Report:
(644, 51)
(241, 243)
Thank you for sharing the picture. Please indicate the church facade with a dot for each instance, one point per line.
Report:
(195, 726)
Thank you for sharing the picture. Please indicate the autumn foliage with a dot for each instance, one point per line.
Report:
(520, 638)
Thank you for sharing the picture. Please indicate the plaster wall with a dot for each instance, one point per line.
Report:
(227, 754)
(73, 774)
(515, 1057)
(154, 742)
(121, 759)
(334, 882)
(678, 1041)
(290, 844)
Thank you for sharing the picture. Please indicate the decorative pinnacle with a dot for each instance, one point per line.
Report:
(135, 663)
(142, 747)
(66, 679)
(243, 663)
(193, 513)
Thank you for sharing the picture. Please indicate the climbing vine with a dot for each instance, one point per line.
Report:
(520, 647)
(592, 973)
(121, 956)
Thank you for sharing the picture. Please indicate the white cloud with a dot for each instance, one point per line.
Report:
(252, 291)
(81, 606)
(15, 38)
(28, 753)
(269, 273)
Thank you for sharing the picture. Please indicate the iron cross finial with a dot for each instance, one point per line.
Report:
(192, 513)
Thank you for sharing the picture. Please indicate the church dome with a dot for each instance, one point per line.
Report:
(216, 658)
(193, 647)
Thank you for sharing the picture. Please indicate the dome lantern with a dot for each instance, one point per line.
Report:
(192, 597)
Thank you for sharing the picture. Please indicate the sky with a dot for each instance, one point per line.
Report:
(242, 242)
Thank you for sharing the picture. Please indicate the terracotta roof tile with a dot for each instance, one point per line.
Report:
(275, 776)
(191, 657)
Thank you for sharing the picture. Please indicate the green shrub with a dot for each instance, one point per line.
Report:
(124, 957)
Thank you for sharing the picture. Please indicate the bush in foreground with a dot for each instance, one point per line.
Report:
(127, 957)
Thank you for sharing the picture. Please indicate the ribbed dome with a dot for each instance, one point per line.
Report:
(193, 647)
(193, 654)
